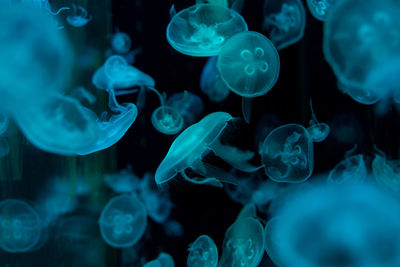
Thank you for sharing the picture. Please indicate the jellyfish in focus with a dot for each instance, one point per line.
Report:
(243, 243)
(249, 64)
(318, 131)
(201, 30)
(163, 260)
(123, 221)
(189, 105)
(20, 226)
(79, 17)
(319, 8)
(124, 181)
(203, 253)
(386, 172)
(121, 42)
(350, 170)
(284, 22)
(288, 154)
(211, 83)
(325, 225)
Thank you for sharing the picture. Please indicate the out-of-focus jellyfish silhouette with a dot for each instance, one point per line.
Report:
(79, 17)
(249, 64)
(203, 253)
(265, 125)
(346, 128)
(189, 105)
(288, 154)
(223, 3)
(20, 226)
(319, 8)
(325, 225)
(211, 83)
(386, 172)
(361, 45)
(243, 243)
(121, 42)
(163, 260)
(157, 203)
(124, 181)
(318, 131)
(123, 221)
(173, 228)
(190, 146)
(201, 30)
(363, 96)
(284, 21)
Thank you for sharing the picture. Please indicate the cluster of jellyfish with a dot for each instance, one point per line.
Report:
(345, 217)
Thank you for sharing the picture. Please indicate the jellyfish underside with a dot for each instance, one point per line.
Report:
(167, 120)
(203, 252)
(350, 170)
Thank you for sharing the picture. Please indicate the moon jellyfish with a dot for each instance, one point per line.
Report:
(320, 8)
(124, 181)
(203, 253)
(79, 17)
(189, 105)
(20, 226)
(243, 243)
(249, 64)
(201, 30)
(318, 131)
(386, 172)
(288, 154)
(123, 221)
(351, 170)
(121, 42)
(363, 96)
(284, 21)
(163, 260)
(321, 225)
(211, 83)
(189, 147)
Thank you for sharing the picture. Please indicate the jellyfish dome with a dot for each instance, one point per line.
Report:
(386, 172)
(319, 8)
(249, 64)
(20, 226)
(211, 83)
(121, 42)
(351, 170)
(189, 105)
(123, 221)
(167, 120)
(201, 30)
(163, 260)
(203, 252)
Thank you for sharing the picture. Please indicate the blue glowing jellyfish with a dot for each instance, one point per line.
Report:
(123, 221)
(189, 105)
(203, 253)
(173, 228)
(284, 22)
(319, 8)
(363, 96)
(351, 170)
(386, 172)
(121, 42)
(288, 154)
(243, 243)
(163, 260)
(211, 83)
(249, 64)
(325, 225)
(124, 181)
(318, 131)
(20, 226)
(201, 30)
(79, 17)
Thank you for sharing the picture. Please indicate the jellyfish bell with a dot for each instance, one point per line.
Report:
(351, 170)
(201, 30)
(203, 252)
(318, 131)
(163, 260)
(211, 83)
(79, 16)
(167, 120)
(121, 42)
(361, 95)
(189, 105)
(386, 172)
(319, 8)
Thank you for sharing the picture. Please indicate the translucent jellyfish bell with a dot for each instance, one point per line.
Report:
(249, 64)
(124, 181)
(284, 21)
(163, 260)
(318, 131)
(351, 170)
(386, 172)
(189, 105)
(79, 17)
(20, 226)
(167, 120)
(288, 154)
(203, 252)
(319, 8)
(123, 221)
(201, 30)
(363, 96)
(121, 42)
(211, 83)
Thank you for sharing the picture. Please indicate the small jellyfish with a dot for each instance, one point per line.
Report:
(318, 131)
(288, 154)
(189, 105)
(249, 64)
(79, 17)
(163, 260)
(173, 228)
(203, 253)
(124, 181)
(20, 226)
(351, 170)
(123, 221)
(243, 244)
(386, 172)
(121, 42)
(201, 30)
(284, 22)
(319, 8)
(211, 83)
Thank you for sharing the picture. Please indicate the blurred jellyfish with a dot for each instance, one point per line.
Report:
(201, 30)
(249, 64)
(242, 192)
(288, 154)
(363, 96)
(191, 145)
(361, 45)
(318, 131)
(284, 21)
(265, 125)
(163, 260)
(20, 226)
(158, 203)
(173, 228)
(203, 253)
(386, 172)
(319, 8)
(346, 128)
(189, 105)
(79, 17)
(211, 83)
(325, 225)
(243, 243)
(121, 42)
(124, 181)
(123, 221)
(351, 170)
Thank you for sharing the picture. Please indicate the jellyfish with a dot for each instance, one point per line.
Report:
(386, 172)
(121, 42)
(158, 203)
(284, 22)
(123, 221)
(346, 128)
(249, 64)
(318, 131)
(325, 225)
(173, 228)
(124, 181)
(189, 147)
(211, 83)
(363, 96)
(203, 253)
(20, 226)
(319, 8)
(163, 260)
(265, 125)
(189, 105)
(201, 30)
(79, 17)
(243, 243)
(288, 154)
